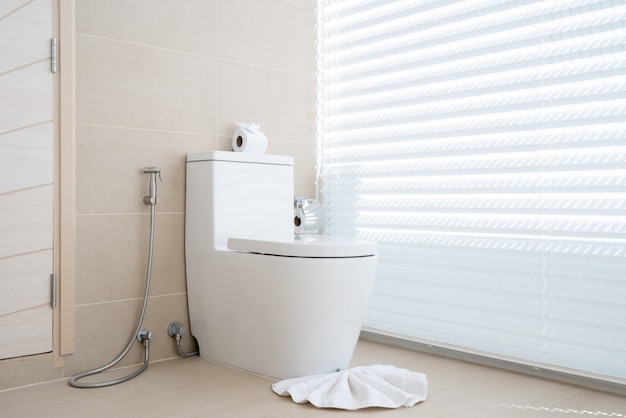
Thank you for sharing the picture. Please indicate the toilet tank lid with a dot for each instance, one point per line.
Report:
(241, 157)
(319, 246)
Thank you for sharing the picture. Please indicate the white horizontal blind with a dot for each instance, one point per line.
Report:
(483, 145)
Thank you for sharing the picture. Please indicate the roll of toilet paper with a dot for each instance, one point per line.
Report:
(249, 138)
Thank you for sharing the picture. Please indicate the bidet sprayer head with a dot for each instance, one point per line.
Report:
(151, 199)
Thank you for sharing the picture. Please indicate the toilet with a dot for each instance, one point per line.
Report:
(262, 299)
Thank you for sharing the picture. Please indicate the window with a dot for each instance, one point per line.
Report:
(483, 145)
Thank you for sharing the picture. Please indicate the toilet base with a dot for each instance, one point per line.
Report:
(279, 317)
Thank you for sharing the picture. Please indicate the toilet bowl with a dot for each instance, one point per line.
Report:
(260, 298)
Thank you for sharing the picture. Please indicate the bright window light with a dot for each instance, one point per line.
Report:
(483, 145)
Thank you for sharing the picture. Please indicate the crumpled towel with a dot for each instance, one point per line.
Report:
(356, 388)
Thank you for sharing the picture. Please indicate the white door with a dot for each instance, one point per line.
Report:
(26, 177)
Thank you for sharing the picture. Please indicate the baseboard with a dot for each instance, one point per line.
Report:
(617, 386)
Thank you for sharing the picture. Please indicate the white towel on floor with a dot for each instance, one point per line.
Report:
(356, 388)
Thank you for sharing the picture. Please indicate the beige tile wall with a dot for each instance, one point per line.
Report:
(156, 80)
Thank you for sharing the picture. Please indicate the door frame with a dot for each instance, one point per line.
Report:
(64, 246)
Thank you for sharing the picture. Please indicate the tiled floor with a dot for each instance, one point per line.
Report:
(193, 387)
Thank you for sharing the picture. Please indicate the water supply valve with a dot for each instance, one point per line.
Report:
(176, 329)
(145, 334)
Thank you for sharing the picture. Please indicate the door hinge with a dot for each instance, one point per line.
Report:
(53, 55)
(53, 290)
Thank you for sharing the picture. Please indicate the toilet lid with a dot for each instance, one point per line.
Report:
(304, 246)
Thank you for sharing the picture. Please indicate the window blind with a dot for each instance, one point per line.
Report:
(483, 145)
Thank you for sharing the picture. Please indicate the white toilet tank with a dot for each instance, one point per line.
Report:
(241, 194)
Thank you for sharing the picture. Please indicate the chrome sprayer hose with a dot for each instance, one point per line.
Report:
(140, 334)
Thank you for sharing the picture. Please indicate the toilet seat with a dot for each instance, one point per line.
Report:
(311, 246)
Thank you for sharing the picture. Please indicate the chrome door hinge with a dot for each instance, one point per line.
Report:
(53, 55)
(53, 290)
